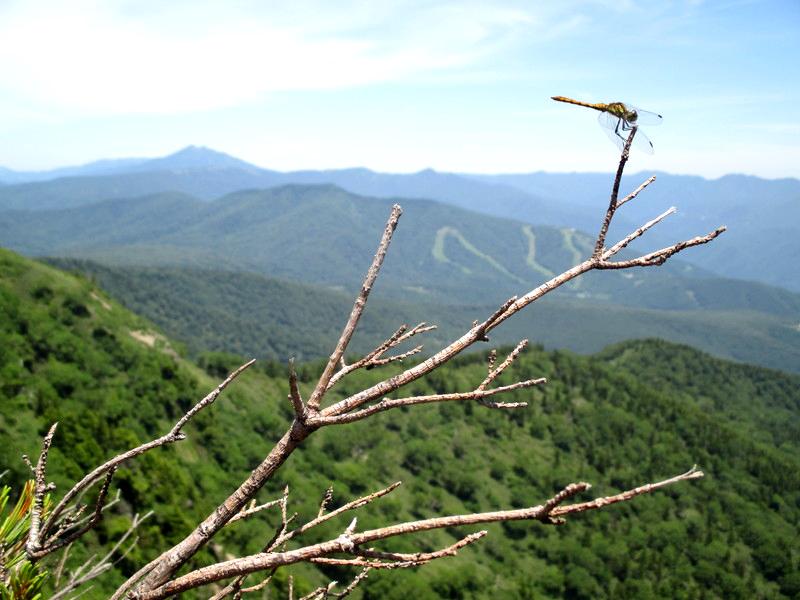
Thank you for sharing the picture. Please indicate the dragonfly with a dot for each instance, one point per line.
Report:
(618, 118)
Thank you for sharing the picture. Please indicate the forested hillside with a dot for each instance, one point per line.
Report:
(250, 314)
(316, 234)
(636, 413)
(759, 212)
(446, 265)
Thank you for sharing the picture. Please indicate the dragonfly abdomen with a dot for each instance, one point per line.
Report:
(596, 106)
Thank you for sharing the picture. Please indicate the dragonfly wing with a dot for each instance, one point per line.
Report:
(618, 131)
(645, 117)
(642, 142)
(614, 127)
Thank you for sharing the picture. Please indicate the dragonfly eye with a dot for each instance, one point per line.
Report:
(633, 116)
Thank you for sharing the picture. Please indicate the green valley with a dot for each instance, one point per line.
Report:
(446, 265)
(319, 234)
(253, 315)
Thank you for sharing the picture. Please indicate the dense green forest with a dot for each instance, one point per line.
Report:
(254, 315)
(638, 412)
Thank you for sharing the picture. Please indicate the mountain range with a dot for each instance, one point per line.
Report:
(267, 272)
(237, 260)
(760, 214)
(324, 235)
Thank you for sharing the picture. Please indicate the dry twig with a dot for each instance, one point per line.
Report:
(36, 549)
(349, 543)
(90, 569)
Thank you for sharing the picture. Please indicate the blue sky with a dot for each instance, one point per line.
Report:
(401, 86)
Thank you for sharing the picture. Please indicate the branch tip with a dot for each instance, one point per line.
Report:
(355, 314)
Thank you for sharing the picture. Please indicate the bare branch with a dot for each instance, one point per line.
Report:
(483, 328)
(491, 359)
(693, 473)
(358, 309)
(571, 490)
(476, 333)
(33, 543)
(350, 543)
(390, 342)
(254, 588)
(253, 509)
(416, 330)
(635, 234)
(495, 373)
(352, 505)
(659, 257)
(320, 593)
(637, 191)
(281, 537)
(612, 204)
(278, 538)
(134, 579)
(60, 566)
(349, 409)
(387, 403)
(174, 435)
(373, 358)
(294, 394)
(373, 559)
(209, 399)
(353, 584)
(423, 557)
(89, 524)
(363, 562)
(88, 571)
(378, 362)
(326, 499)
(503, 405)
(80, 510)
(162, 568)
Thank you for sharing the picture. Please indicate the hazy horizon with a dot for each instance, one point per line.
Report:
(102, 159)
(399, 87)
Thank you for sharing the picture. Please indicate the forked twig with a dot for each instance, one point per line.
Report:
(107, 469)
(358, 309)
(351, 542)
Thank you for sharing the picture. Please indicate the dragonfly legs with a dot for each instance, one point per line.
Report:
(625, 126)
(620, 123)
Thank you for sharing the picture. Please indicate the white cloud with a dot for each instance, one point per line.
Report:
(91, 57)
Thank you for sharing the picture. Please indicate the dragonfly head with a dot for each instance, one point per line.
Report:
(620, 110)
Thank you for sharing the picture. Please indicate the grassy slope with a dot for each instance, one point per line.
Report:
(69, 355)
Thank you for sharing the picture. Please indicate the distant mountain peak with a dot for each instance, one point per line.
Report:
(197, 157)
(193, 151)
